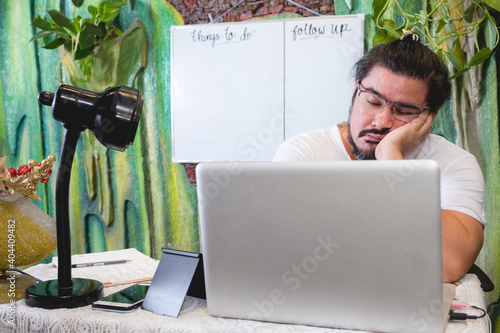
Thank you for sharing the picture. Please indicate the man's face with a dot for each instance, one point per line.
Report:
(367, 129)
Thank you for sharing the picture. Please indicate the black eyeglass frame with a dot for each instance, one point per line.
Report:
(394, 111)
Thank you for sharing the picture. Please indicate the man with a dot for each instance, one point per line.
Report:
(399, 89)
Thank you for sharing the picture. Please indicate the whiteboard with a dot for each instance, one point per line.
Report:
(238, 90)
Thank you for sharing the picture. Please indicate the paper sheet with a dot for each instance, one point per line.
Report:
(138, 268)
(125, 254)
(110, 275)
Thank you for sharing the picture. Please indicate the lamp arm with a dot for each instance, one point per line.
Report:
(68, 148)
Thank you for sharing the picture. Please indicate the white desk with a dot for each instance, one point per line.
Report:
(194, 316)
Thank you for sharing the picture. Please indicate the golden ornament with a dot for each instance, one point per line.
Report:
(28, 233)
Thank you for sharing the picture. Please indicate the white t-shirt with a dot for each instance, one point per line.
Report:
(462, 182)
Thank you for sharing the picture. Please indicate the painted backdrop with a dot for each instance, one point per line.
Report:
(137, 198)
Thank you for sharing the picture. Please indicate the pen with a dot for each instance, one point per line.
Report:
(100, 263)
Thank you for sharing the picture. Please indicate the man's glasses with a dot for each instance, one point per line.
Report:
(374, 103)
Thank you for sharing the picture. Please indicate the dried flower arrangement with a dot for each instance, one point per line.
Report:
(25, 179)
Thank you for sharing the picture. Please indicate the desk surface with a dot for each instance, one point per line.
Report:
(194, 316)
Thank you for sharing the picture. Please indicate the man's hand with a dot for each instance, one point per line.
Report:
(404, 139)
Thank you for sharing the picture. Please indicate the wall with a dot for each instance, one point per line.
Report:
(137, 198)
(206, 11)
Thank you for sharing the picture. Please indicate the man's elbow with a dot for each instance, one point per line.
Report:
(454, 269)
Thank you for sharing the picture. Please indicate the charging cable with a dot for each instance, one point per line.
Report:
(460, 316)
(463, 317)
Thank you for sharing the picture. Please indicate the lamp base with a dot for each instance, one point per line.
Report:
(46, 294)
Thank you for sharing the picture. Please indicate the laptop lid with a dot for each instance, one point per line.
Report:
(352, 244)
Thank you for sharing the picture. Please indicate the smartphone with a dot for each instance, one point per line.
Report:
(126, 300)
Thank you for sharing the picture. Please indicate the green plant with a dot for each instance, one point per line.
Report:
(444, 25)
(79, 35)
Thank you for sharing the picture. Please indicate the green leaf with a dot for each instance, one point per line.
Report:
(451, 42)
(381, 37)
(41, 24)
(495, 4)
(64, 33)
(440, 54)
(83, 53)
(457, 74)
(110, 14)
(92, 10)
(443, 10)
(490, 33)
(469, 13)
(86, 41)
(460, 53)
(61, 20)
(54, 44)
(455, 53)
(440, 25)
(69, 32)
(77, 23)
(103, 26)
(479, 57)
(91, 29)
(41, 34)
(77, 3)
(378, 7)
(390, 26)
(454, 60)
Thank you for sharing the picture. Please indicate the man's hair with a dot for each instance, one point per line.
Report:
(411, 59)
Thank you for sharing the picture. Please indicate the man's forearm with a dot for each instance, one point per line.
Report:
(462, 241)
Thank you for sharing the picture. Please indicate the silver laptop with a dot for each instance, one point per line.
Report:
(354, 245)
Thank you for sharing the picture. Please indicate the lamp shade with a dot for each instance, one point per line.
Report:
(113, 115)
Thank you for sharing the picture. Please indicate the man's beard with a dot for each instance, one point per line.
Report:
(363, 154)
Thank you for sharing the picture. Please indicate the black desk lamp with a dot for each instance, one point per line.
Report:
(113, 117)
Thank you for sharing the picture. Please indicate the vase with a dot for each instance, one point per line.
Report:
(28, 236)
